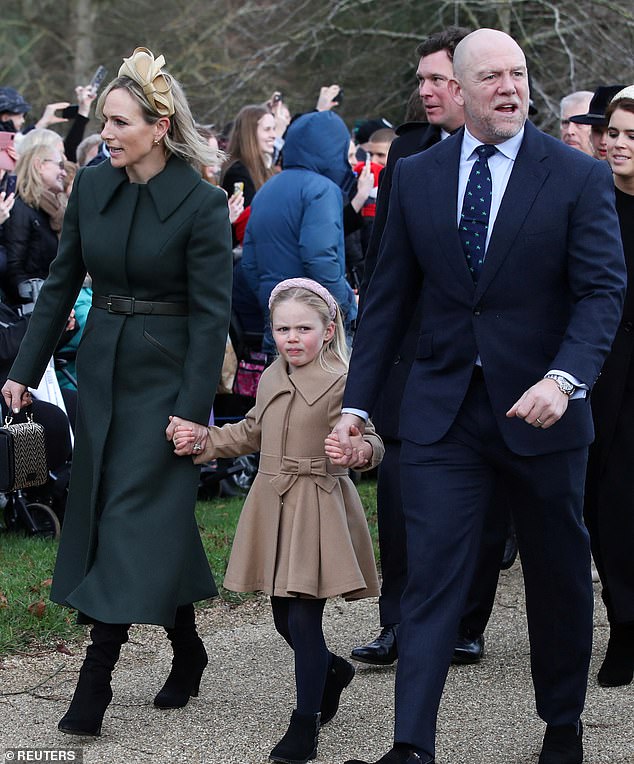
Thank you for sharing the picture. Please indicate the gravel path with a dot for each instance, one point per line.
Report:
(487, 716)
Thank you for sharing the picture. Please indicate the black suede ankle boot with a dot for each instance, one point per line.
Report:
(339, 676)
(93, 693)
(188, 663)
(299, 744)
(617, 668)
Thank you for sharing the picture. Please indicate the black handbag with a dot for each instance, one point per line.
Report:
(22, 455)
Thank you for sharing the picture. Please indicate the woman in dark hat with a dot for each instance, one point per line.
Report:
(597, 120)
(13, 109)
(609, 501)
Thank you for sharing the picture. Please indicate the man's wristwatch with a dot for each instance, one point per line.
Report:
(565, 385)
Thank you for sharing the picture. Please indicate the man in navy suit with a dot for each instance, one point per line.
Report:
(506, 356)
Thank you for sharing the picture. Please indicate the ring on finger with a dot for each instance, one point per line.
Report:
(539, 422)
(197, 447)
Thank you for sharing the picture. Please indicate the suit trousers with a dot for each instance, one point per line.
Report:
(447, 487)
(393, 548)
(391, 523)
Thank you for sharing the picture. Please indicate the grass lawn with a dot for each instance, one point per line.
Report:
(29, 621)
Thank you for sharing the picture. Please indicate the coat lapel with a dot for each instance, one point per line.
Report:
(274, 382)
(312, 381)
(527, 177)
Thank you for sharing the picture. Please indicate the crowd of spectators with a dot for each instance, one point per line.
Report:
(302, 195)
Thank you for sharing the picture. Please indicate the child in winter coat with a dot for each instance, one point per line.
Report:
(302, 535)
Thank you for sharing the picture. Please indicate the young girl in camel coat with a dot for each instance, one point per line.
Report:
(302, 534)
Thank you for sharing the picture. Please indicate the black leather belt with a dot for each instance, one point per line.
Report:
(128, 306)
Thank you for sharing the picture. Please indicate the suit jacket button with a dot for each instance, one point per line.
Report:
(627, 326)
(477, 310)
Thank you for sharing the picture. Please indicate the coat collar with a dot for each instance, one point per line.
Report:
(168, 189)
(310, 381)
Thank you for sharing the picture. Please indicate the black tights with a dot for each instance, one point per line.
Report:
(298, 620)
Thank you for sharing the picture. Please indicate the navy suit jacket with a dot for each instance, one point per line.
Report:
(412, 138)
(550, 292)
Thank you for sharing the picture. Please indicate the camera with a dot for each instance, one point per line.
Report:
(339, 97)
(70, 112)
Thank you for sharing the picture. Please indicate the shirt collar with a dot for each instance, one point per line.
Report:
(510, 148)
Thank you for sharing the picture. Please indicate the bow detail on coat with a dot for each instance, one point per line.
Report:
(314, 468)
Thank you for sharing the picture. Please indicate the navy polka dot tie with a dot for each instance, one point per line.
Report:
(476, 207)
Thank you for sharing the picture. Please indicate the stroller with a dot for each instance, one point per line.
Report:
(233, 477)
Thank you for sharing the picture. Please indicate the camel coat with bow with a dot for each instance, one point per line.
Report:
(302, 531)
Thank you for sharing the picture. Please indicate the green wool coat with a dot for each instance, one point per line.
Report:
(130, 550)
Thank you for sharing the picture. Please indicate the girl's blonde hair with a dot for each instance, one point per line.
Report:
(29, 184)
(182, 138)
(243, 145)
(333, 353)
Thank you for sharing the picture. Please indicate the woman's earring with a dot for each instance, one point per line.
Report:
(156, 141)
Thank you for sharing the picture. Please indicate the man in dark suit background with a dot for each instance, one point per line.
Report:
(435, 69)
(507, 352)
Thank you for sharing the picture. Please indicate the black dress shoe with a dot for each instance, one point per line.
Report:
(381, 652)
(398, 755)
(510, 551)
(562, 745)
(617, 669)
(468, 649)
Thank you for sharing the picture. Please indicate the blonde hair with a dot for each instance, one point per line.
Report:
(40, 136)
(29, 185)
(334, 352)
(182, 138)
(243, 145)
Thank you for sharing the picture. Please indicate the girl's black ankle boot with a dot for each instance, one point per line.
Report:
(93, 692)
(189, 662)
(299, 744)
(617, 668)
(339, 676)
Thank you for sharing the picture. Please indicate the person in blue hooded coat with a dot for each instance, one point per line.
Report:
(296, 223)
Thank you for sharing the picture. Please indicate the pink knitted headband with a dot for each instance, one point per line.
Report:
(311, 286)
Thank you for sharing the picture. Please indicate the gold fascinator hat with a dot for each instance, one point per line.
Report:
(145, 70)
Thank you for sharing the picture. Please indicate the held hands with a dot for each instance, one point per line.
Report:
(185, 435)
(345, 445)
(541, 406)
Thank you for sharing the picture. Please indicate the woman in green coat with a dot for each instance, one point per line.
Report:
(156, 240)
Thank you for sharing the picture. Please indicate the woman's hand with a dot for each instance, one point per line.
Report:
(365, 184)
(49, 117)
(85, 96)
(15, 396)
(189, 438)
(236, 205)
(6, 204)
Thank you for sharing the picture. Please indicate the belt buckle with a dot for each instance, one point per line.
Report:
(125, 306)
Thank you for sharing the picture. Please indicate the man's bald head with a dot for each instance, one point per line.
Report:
(491, 83)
